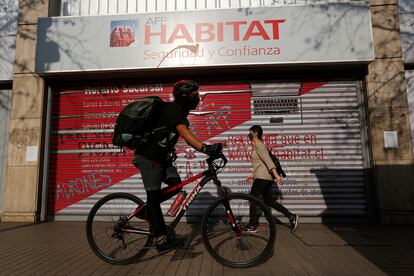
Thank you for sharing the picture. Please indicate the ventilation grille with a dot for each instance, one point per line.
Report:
(270, 106)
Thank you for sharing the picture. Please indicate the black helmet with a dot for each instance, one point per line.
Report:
(183, 94)
(184, 87)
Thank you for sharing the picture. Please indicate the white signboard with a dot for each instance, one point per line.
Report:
(31, 153)
(390, 139)
(246, 36)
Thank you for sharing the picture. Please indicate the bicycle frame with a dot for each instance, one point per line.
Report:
(110, 240)
(209, 174)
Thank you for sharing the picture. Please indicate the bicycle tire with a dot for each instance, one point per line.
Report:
(216, 225)
(106, 240)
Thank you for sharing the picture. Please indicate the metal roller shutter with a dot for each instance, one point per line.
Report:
(314, 128)
(5, 103)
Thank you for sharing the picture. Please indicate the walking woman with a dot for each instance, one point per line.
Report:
(263, 181)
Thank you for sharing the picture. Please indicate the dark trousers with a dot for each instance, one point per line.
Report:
(263, 189)
(153, 173)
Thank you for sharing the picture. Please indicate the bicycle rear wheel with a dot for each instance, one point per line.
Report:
(111, 235)
(225, 238)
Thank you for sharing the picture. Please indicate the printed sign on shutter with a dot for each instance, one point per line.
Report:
(313, 128)
(84, 161)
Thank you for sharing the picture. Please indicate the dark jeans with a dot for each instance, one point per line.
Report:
(263, 189)
(153, 173)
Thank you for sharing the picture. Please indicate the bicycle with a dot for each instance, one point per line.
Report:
(118, 232)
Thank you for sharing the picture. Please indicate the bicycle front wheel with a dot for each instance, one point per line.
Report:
(225, 236)
(113, 236)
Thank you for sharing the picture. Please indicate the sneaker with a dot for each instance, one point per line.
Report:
(166, 244)
(250, 228)
(294, 222)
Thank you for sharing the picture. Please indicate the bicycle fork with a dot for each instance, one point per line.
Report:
(229, 212)
(235, 226)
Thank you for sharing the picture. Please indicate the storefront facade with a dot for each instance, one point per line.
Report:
(285, 67)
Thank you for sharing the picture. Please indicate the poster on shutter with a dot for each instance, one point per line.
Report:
(312, 127)
(84, 161)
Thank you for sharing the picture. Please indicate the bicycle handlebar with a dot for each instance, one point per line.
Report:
(212, 165)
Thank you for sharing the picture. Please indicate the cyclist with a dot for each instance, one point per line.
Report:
(155, 159)
(262, 180)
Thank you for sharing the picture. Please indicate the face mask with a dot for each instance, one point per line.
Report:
(188, 102)
(251, 136)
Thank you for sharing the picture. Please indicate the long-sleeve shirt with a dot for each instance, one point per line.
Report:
(261, 161)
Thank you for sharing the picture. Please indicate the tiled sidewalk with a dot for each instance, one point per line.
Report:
(60, 248)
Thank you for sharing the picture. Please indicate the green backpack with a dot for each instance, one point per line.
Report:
(133, 127)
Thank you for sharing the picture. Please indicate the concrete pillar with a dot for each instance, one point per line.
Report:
(393, 169)
(22, 166)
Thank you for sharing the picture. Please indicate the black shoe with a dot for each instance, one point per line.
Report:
(294, 222)
(250, 228)
(166, 244)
